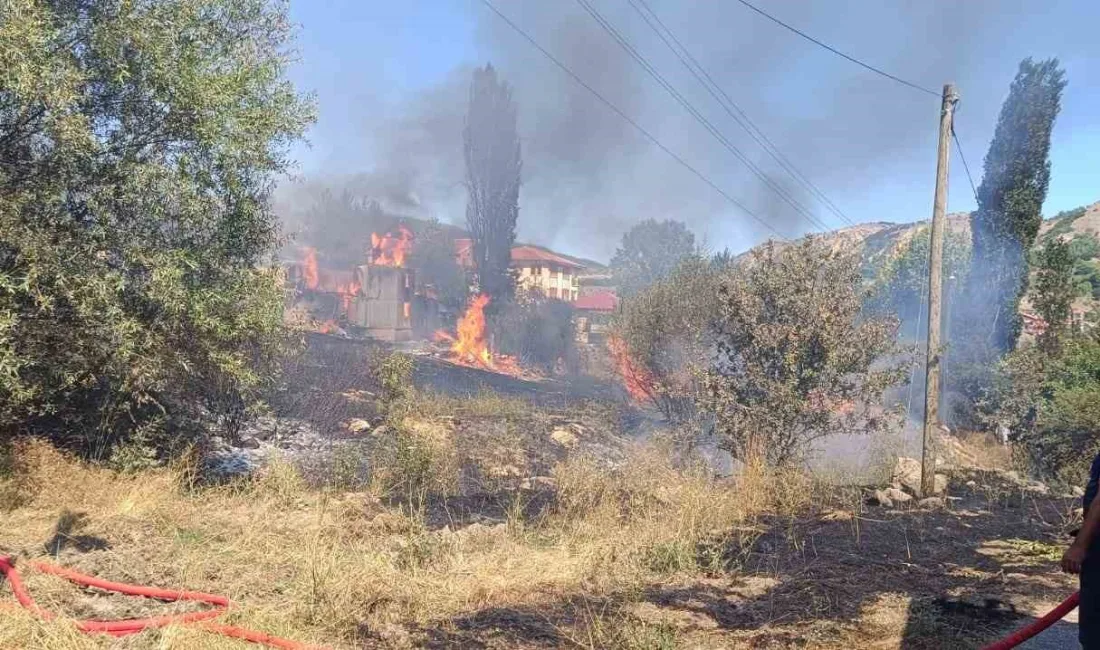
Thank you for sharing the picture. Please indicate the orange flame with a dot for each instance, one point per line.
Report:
(471, 345)
(346, 293)
(637, 379)
(329, 327)
(389, 249)
(309, 268)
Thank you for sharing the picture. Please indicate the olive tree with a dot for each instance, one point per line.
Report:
(797, 358)
(139, 144)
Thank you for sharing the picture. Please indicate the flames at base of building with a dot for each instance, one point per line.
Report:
(637, 379)
(470, 345)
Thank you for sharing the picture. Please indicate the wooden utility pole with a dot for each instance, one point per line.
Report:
(935, 297)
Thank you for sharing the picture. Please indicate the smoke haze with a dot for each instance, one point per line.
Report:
(588, 175)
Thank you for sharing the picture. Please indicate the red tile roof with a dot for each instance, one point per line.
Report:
(599, 301)
(535, 254)
(525, 254)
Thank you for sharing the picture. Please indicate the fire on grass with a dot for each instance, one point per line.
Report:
(470, 344)
(637, 379)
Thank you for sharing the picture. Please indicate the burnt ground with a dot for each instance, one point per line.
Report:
(911, 578)
(459, 381)
(841, 575)
(323, 383)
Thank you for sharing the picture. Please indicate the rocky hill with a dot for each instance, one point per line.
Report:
(879, 242)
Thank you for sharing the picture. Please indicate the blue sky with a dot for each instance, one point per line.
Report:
(388, 77)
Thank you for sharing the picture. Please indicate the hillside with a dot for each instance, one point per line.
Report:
(881, 241)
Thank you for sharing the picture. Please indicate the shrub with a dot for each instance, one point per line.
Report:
(1052, 407)
(394, 373)
(796, 359)
(664, 335)
(538, 331)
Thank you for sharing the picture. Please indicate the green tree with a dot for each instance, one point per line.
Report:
(797, 358)
(1010, 198)
(665, 330)
(139, 142)
(493, 164)
(1054, 292)
(902, 283)
(1052, 406)
(649, 252)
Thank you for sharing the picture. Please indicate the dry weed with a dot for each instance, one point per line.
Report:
(329, 566)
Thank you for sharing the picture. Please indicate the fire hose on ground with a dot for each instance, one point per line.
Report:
(221, 604)
(1037, 626)
(125, 627)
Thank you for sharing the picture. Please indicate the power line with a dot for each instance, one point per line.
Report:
(724, 100)
(630, 121)
(959, 147)
(838, 52)
(629, 49)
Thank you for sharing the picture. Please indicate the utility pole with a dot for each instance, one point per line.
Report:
(935, 297)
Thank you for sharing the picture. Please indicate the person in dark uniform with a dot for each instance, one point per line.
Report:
(1083, 558)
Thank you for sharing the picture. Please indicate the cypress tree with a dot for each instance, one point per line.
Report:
(1010, 200)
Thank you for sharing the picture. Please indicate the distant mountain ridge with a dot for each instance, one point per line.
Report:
(879, 242)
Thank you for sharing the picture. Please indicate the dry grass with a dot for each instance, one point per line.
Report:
(353, 568)
(617, 545)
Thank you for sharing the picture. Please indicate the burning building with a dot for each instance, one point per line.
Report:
(376, 297)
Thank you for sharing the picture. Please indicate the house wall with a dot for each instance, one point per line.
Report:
(552, 280)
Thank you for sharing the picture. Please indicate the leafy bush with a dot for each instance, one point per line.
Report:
(797, 359)
(666, 332)
(415, 459)
(538, 331)
(138, 143)
(1052, 406)
(394, 373)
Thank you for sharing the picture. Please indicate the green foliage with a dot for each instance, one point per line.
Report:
(723, 259)
(1014, 186)
(649, 252)
(433, 257)
(1064, 222)
(492, 153)
(1084, 249)
(537, 331)
(139, 452)
(901, 285)
(666, 328)
(138, 146)
(1052, 405)
(1054, 291)
(394, 373)
(795, 354)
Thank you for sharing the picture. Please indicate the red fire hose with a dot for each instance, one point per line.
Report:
(221, 604)
(135, 625)
(1025, 633)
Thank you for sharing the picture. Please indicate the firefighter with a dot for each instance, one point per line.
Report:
(1083, 558)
